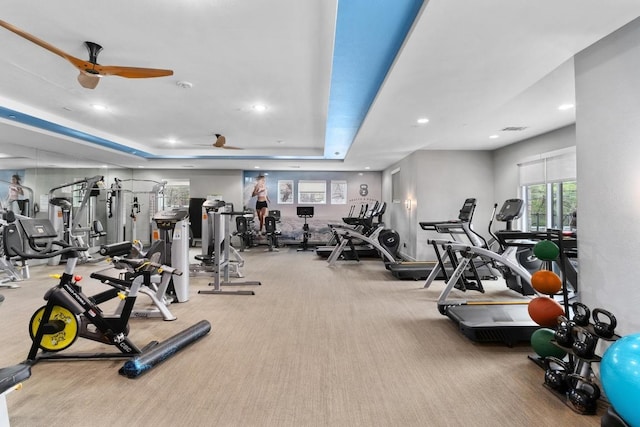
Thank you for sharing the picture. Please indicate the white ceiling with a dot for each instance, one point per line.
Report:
(472, 67)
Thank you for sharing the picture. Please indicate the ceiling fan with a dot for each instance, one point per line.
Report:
(91, 71)
(221, 143)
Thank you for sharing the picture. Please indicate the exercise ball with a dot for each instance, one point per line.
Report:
(545, 311)
(546, 282)
(620, 377)
(542, 345)
(546, 250)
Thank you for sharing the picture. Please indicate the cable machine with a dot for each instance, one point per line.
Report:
(77, 227)
(125, 207)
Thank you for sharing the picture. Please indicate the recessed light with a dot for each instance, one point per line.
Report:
(565, 107)
(260, 108)
(99, 107)
(256, 167)
(367, 167)
(494, 136)
(172, 140)
(422, 120)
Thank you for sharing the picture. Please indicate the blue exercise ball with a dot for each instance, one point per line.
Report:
(620, 377)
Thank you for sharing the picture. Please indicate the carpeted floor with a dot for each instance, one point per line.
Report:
(347, 345)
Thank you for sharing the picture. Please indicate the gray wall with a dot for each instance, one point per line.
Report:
(608, 149)
(438, 182)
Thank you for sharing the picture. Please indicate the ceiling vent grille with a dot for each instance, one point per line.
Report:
(514, 128)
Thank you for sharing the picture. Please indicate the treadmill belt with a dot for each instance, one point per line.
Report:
(508, 323)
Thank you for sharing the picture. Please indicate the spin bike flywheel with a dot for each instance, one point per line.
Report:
(63, 328)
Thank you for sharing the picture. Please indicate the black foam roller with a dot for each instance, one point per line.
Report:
(142, 363)
(116, 249)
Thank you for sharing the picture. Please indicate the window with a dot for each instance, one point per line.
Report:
(175, 195)
(549, 189)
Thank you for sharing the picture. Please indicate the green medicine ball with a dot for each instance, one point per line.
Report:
(542, 345)
(546, 250)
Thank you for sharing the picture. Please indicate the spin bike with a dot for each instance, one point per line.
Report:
(69, 313)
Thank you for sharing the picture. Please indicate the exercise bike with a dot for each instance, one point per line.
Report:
(69, 313)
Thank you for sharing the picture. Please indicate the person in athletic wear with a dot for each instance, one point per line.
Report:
(16, 195)
(262, 199)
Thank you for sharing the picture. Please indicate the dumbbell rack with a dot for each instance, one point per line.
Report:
(582, 366)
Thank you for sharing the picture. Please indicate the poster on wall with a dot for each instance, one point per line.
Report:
(285, 191)
(313, 192)
(338, 192)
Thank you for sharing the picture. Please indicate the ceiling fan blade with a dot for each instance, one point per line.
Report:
(39, 42)
(229, 147)
(131, 72)
(88, 81)
(90, 67)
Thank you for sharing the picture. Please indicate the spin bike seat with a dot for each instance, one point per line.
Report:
(13, 375)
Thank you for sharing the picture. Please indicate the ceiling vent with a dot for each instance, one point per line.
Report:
(514, 128)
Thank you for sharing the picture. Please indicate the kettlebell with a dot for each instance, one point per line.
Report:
(584, 347)
(563, 334)
(556, 377)
(581, 314)
(584, 395)
(604, 329)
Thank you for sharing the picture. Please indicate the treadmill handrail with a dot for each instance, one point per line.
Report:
(476, 251)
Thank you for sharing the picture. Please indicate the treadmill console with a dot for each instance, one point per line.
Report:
(466, 213)
(511, 209)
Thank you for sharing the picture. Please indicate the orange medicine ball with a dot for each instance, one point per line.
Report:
(546, 282)
(545, 311)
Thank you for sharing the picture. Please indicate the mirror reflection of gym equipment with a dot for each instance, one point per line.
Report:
(219, 226)
(305, 212)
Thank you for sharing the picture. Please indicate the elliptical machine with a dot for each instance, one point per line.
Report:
(520, 251)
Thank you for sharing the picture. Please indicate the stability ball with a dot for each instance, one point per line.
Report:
(620, 377)
(545, 311)
(542, 345)
(546, 282)
(546, 250)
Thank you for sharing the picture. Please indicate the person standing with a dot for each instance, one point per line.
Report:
(262, 199)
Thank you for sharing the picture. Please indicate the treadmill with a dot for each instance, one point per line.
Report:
(363, 224)
(420, 270)
(496, 321)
